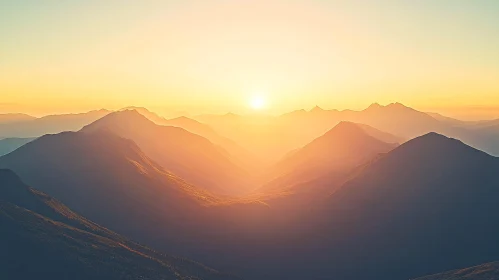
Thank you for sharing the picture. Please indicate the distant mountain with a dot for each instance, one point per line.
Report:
(194, 127)
(8, 145)
(339, 151)
(427, 206)
(12, 118)
(381, 135)
(396, 119)
(49, 124)
(43, 239)
(449, 120)
(239, 154)
(271, 138)
(487, 271)
(188, 155)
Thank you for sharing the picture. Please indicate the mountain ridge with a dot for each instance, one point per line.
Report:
(46, 239)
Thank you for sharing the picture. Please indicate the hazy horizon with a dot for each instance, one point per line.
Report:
(218, 56)
(470, 113)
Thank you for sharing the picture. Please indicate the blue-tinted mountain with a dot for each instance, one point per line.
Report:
(43, 239)
(8, 145)
(36, 127)
(425, 207)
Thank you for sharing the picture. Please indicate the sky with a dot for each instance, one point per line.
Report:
(222, 55)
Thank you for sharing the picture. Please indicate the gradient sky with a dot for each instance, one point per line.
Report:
(60, 56)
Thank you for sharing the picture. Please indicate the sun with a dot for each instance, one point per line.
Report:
(258, 102)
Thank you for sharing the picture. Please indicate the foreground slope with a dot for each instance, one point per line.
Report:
(187, 155)
(42, 239)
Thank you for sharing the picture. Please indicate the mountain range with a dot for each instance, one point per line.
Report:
(427, 206)
(272, 137)
(29, 127)
(109, 180)
(188, 155)
(237, 153)
(337, 152)
(380, 193)
(13, 118)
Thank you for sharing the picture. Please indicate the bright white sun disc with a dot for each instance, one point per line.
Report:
(258, 102)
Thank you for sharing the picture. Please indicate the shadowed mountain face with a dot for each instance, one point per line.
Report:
(10, 144)
(111, 181)
(43, 239)
(37, 127)
(337, 152)
(487, 271)
(430, 205)
(104, 177)
(190, 156)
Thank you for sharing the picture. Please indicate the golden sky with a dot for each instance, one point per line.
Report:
(215, 56)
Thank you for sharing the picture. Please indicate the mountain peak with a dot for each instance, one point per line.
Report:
(346, 127)
(317, 109)
(397, 105)
(374, 106)
(433, 145)
(184, 119)
(433, 137)
(124, 117)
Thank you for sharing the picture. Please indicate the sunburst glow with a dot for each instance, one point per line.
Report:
(258, 102)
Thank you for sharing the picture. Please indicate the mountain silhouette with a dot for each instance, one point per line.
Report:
(237, 153)
(104, 177)
(274, 137)
(43, 239)
(8, 145)
(109, 180)
(337, 152)
(15, 117)
(427, 206)
(37, 127)
(397, 119)
(188, 155)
